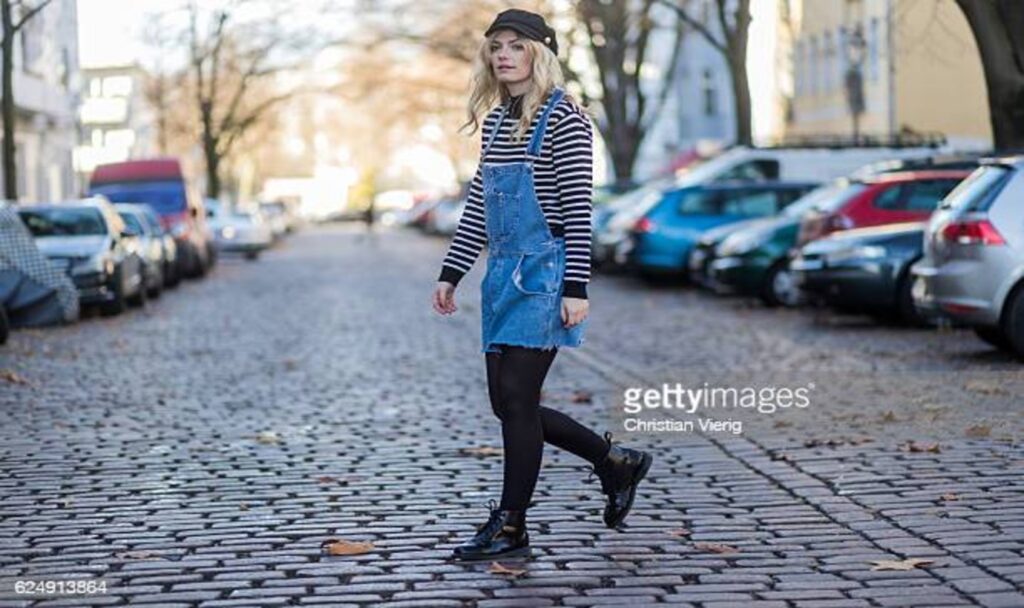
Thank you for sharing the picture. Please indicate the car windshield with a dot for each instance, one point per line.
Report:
(978, 190)
(72, 221)
(132, 221)
(835, 199)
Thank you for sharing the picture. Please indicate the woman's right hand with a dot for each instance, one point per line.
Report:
(444, 298)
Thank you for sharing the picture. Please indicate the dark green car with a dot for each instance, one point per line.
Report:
(754, 260)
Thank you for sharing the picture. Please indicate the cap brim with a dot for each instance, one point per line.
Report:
(505, 26)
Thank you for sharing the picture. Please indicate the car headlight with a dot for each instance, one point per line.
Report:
(866, 252)
(741, 243)
(228, 232)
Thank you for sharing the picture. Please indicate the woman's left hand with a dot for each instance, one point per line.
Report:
(574, 310)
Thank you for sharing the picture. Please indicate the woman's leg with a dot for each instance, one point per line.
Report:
(514, 380)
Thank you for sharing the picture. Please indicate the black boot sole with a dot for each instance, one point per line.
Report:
(520, 552)
(641, 472)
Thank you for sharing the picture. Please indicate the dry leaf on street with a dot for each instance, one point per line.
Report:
(950, 496)
(484, 450)
(582, 396)
(680, 532)
(900, 564)
(338, 546)
(715, 548)
(498, 568)
(12, 377)
(268, 437)
(917, 446)
(978, 430)
(138, 555)
(326, 479)
(985, 387)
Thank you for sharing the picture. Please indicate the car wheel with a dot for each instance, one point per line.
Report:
(118, 305)
(993, 336)
(5, 326)
(158, 288)
(779, 287)
(1013, 321)
(142, 296)
(908, 313)
(252, 255)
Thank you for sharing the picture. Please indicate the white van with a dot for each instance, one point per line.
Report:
(793, 164)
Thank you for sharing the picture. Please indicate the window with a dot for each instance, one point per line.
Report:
(753, 171)
(827, 64)
(925, 196)
(889, 198)
(873, 43)
(708, 93)
(63, 222)
(812, 71)
(750, 203)
(697, 202)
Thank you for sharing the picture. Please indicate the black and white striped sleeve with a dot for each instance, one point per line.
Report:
(572, 150)
(471, 233)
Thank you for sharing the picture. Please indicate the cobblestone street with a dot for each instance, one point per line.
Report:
(200, 452)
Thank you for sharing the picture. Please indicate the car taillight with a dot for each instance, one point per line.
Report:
(643, 225)
(972, 232)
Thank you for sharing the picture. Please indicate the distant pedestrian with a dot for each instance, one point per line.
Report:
(531, 203)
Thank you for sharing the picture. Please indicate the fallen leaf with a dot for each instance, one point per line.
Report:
(498, 568)
(985, 387)
(900, 564)
(268, 437)
(326, 479)
(484, 450)
(244, 506)
(950, 496)
(12, 377)
(978, 430)
(915, 446)
(680, 532)
(338, 546)
(715, 548)
(781, 424)
(138, 555)
(582, 396)
(291, 364)
(888, 416)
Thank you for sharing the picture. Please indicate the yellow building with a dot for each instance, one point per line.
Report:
(919, 68)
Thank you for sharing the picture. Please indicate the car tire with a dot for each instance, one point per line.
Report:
(1013, 321)
(5, 326)
(142, 296)
(908, 313)
(993, 336)
(156, 291)
(118, 305)
(779, 288)
(252, 256)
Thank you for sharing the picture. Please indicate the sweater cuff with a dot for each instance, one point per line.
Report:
(451, 275)
(574, 289)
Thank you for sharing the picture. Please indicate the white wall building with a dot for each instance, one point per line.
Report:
(45, 84)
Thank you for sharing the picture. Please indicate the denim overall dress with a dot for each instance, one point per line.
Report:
(521, 292)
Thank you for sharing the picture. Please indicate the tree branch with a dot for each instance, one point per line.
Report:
(697, 25)
(31, 13)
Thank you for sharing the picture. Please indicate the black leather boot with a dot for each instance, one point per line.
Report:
(620, 472)
(504, 535)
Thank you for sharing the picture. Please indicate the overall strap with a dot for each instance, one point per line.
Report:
(494, 133)
(533, 150)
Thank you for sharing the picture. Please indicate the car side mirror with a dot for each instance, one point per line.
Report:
(126, 233)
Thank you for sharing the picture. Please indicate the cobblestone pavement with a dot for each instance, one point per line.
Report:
(199, 452)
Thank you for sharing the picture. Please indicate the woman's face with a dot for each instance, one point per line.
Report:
(509, 57)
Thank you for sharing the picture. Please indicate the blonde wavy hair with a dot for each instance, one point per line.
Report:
(487, 91)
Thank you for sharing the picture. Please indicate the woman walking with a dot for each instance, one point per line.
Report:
(530, 203)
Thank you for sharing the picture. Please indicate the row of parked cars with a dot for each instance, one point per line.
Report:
(926, 240)
(141, 229)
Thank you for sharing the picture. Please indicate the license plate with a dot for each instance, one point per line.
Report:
(62, 264)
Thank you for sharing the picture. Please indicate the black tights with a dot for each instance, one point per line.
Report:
(514, 380)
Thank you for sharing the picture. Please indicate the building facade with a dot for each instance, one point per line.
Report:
(911, 67)
(46, 83)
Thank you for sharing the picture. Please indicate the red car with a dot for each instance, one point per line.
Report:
(888, 198)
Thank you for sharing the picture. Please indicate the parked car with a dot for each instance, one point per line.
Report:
(889, 198)
(88, 240)
(161, 184)
(151, 246)
(864, 270)
(277, 217)
(973, 265)
(240, 231)
(661, 239)
(171, 273)
(444, 218)
(612, 222)
(753, 260)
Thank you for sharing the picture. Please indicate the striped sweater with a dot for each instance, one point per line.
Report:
(563, 176)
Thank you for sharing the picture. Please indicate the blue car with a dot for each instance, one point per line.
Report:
(662, 238)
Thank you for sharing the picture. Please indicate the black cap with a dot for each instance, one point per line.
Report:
(526, 23)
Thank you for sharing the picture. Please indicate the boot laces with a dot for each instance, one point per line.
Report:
(491, 527)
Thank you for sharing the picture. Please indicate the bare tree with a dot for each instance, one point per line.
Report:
(998, 28)
(11, 26)
(619, 36)
(732, 44)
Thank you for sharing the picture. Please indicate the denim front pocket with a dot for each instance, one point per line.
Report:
(537, 273)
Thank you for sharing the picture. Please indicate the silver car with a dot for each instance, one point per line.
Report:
(973, 266)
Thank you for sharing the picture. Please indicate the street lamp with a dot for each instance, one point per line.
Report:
(856, 50)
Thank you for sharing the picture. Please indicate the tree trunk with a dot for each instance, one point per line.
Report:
(210, 152)
(9, 117)
(741, 97)
(998, 28)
